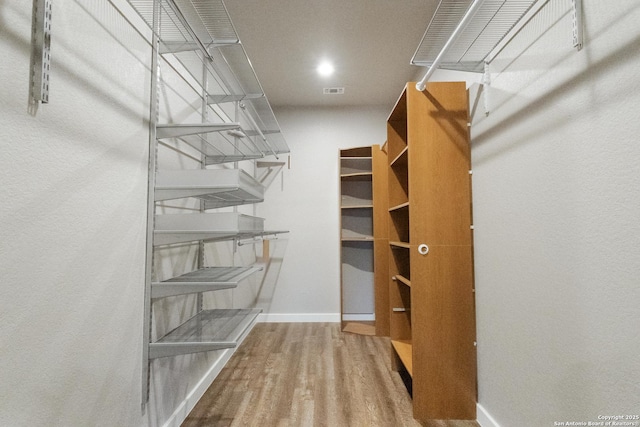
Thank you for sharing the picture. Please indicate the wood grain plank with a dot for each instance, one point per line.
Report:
(306, 374)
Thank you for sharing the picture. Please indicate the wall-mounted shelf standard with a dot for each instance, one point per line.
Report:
(40, 52)
(206, 331)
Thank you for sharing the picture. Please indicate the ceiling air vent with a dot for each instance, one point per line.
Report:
(333, 91)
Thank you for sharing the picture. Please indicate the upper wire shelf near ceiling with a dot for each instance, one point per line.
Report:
(201, 31)
(491, 23)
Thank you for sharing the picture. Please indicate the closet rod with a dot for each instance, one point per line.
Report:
(463, 23)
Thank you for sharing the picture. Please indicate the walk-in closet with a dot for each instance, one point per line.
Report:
(333, 213)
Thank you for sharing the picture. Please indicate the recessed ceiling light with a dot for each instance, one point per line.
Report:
(325, 69)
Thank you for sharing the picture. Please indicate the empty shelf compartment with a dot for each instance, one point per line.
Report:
(179, 228)
(206, 331)
(217, 187)
(355, 165)
(202, 280)
(357, 223)
(404, 351)
(356, 191)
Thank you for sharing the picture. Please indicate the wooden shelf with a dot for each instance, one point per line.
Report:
(401, 157)
(404, 205)
(400, 278)
(403, 245)
(357, 239)
(356, 207)
(404, 351)
(366, 175)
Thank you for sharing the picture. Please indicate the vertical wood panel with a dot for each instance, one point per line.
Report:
(444, 334)
(381, 239)
(439, 161)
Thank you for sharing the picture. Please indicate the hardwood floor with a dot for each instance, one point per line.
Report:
(308, 374)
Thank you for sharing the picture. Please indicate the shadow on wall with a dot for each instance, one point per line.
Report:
(624, 53)
(116, 28)
(271, 272)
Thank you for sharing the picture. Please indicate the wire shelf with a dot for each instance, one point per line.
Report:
(491, 23)
(198, 32)
(206, 331)
(202, 280)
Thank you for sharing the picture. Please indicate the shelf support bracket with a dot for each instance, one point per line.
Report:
(486, 83)
(576, 6)
(40, 52)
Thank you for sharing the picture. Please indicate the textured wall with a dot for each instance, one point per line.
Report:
(309, 280)
(72, 220)
(556, 208)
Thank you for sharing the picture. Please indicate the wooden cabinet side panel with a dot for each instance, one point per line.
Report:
(380, 193)
(439, 164)
(442, 298)
(443, 320)
(381, 240)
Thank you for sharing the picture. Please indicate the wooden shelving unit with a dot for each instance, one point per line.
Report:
(364, 293)
(430, 250)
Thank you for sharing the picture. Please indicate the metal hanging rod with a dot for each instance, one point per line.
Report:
(463, 35)
(475, 6)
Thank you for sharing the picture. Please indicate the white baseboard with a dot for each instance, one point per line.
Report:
(182, 411)
(299, 317)
(369, 317)
(484, 418)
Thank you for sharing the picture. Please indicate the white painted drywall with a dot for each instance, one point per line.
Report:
(306, 202)
(556, 198)
(72, 220)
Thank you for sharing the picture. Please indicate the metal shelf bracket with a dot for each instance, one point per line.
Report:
(40, 52)
(486, 83)
(576, 7)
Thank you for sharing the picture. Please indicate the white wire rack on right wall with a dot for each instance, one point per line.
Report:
(463, 35)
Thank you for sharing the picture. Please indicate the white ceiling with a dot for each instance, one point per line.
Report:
(370, 43)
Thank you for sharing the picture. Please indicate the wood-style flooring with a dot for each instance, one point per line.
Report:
(308, 375)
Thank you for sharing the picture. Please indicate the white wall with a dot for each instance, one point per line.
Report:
(72, 220)
(308, 287)
(556, 206)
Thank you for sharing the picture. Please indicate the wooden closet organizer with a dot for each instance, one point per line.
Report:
(363, 241)
(430, 250)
